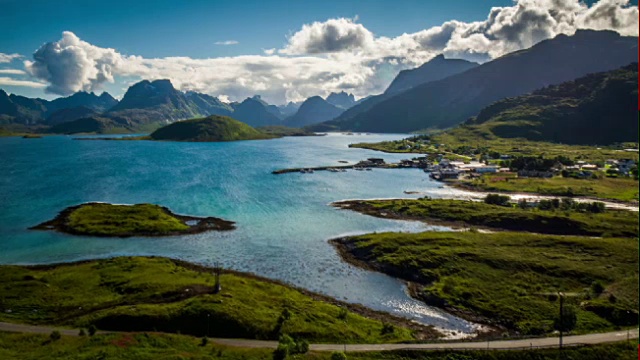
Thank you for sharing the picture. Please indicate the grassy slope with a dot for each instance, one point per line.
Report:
(506, 276)
(588, 110)
(611, 223)
(467, 136)
(212, 128)
(157, 293)
(161, 346)
(108, 219)
(623, 189)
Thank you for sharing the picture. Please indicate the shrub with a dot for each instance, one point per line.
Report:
(387, 329)
(92, 330)
(82, 333)
(597, 287)
(204, 341)
(497, 199)
(338, 356)
(342, 314)
(55, 335)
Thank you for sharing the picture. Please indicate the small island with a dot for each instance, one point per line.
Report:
(213, 128)
(108, 220)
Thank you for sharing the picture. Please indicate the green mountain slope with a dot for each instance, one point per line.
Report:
(212, 128)
(450, 101)
(596, 109)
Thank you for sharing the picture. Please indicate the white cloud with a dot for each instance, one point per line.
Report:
(330, 36)
(7, 81)
(70, 65)
(335, 55)
(7, 58)
(227, 42)
(12, 72)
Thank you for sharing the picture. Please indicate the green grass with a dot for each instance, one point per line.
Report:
(212, 128)
(623, 189)
(114, 220)
(154, 346)
(143, 294)
(507, 276)
(609, 223)
(474, 137)
(480, 138)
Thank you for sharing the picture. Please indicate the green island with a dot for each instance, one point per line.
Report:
(562, 219)
(213, 128)
(160, 294)
(108, 220)
(154, 346)
(511, 279)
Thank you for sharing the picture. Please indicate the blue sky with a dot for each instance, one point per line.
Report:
(159, 28)
(162, 29)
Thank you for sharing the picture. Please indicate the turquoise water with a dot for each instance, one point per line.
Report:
(283, 221)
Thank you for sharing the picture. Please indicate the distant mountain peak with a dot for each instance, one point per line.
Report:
(342, 99)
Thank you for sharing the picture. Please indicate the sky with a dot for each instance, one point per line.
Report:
(281, 50)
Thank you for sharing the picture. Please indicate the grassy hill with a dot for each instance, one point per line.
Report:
(159, 294)
(596, 109)
(511, 278)
(212, 128)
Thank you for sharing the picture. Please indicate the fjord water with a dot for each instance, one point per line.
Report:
(283, 221)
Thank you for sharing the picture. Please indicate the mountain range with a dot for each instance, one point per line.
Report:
(454, 99)
(439, 94)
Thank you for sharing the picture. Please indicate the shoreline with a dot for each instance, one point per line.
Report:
(626, 205)
(204, 224)
(423, 332)
(343, 249)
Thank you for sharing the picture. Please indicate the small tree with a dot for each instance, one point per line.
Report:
(82, 333)
(55, 335)
(597, 287)
(338, 356)
(92, 330)
(497, 199)
(204, 341)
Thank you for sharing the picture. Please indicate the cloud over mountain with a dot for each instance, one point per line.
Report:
(71, 65)
(330, 56)
(7, 58)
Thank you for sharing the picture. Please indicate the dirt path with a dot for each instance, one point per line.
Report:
(484, 345)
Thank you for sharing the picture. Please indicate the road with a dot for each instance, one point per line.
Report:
(485, 345)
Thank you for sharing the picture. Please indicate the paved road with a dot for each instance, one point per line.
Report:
(501, 344)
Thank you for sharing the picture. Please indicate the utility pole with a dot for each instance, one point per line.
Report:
(561, 296)
(217, 270)
(208, 315)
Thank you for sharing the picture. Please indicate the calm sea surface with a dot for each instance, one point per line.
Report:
(284, 221)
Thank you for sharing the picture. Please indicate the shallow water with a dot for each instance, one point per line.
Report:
(284, 221)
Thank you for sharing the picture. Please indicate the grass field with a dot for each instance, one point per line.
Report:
(623, 189)
(145, 294)
(473, 213)
(154, 346)
(511, 278)
(454, 138)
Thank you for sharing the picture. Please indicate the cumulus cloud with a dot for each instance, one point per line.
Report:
(12, 72)
(7, 58)
(227, 42)
(332, 35)
(7, 81)
(338, 54)
(70, 65)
